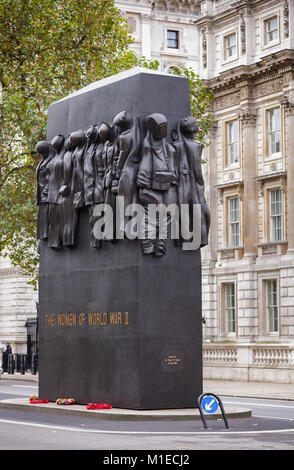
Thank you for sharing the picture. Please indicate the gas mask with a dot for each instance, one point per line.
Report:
(157, 124)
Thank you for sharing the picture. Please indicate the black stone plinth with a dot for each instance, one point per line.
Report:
(117, 326)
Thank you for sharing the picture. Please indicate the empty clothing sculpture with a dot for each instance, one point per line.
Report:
(128, 162)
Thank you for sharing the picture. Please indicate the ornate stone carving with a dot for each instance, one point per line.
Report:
(269, 87)
(224, 24)
(227, 101)
(280, 178)
(238, 185)
(286, 18)
(243, 33)
(145, 18)
(248, 117)
(266, 5)
(204, 48)
(288, 105)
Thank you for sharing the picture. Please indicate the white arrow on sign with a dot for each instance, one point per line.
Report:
(208, 406)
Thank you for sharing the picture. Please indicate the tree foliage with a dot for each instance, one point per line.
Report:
(48, 49)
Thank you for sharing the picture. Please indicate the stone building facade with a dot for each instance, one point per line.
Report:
(247, 59)
(164, 31)
(17, 304)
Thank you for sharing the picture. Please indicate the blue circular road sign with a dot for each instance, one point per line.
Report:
(209, 404)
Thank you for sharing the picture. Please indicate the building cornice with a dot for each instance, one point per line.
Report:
(233, 8)
(268, 68)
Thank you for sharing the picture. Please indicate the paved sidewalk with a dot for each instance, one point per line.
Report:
(250, 389)
(20, 377)
(219, 387)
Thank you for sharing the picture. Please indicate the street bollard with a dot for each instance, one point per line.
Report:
(22, 364)
(34, 364)
(11, 364)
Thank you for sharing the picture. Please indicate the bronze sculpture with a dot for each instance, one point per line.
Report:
(94, 175)
(56, 170)
(109, 158)
(128, 157)
(190, 178)
(142, 349)
(110, 161)
(156, 179)
(42, 174)
(79, 140)
(68, 213)
(89, 175)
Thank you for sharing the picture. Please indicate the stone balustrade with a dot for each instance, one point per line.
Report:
(249, 362)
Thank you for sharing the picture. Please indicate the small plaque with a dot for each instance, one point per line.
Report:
(172, 360)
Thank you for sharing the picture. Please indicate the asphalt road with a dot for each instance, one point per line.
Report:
(271, 427)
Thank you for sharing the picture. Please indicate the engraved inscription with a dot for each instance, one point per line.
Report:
(86, 319)
(172, 360)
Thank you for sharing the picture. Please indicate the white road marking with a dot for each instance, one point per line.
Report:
(145, 433)
(258, 404)
(274, 417)
(26, 386)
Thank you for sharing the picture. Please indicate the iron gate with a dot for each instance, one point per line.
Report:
(32, 340)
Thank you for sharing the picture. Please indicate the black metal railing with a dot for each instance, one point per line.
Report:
(21, 363)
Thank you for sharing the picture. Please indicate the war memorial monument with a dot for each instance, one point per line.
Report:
(120, 318)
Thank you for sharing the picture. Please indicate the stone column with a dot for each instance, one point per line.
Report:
(247, 28)
(209, 252)
(207, 50)
(250, 234)
(146, 36)
(210, 177)
(289, 150)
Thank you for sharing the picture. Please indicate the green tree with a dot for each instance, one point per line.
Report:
(48, 48)
(201, 99)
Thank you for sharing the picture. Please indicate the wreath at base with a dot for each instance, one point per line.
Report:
(98, 406)
(65, 401)
(35, 400)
